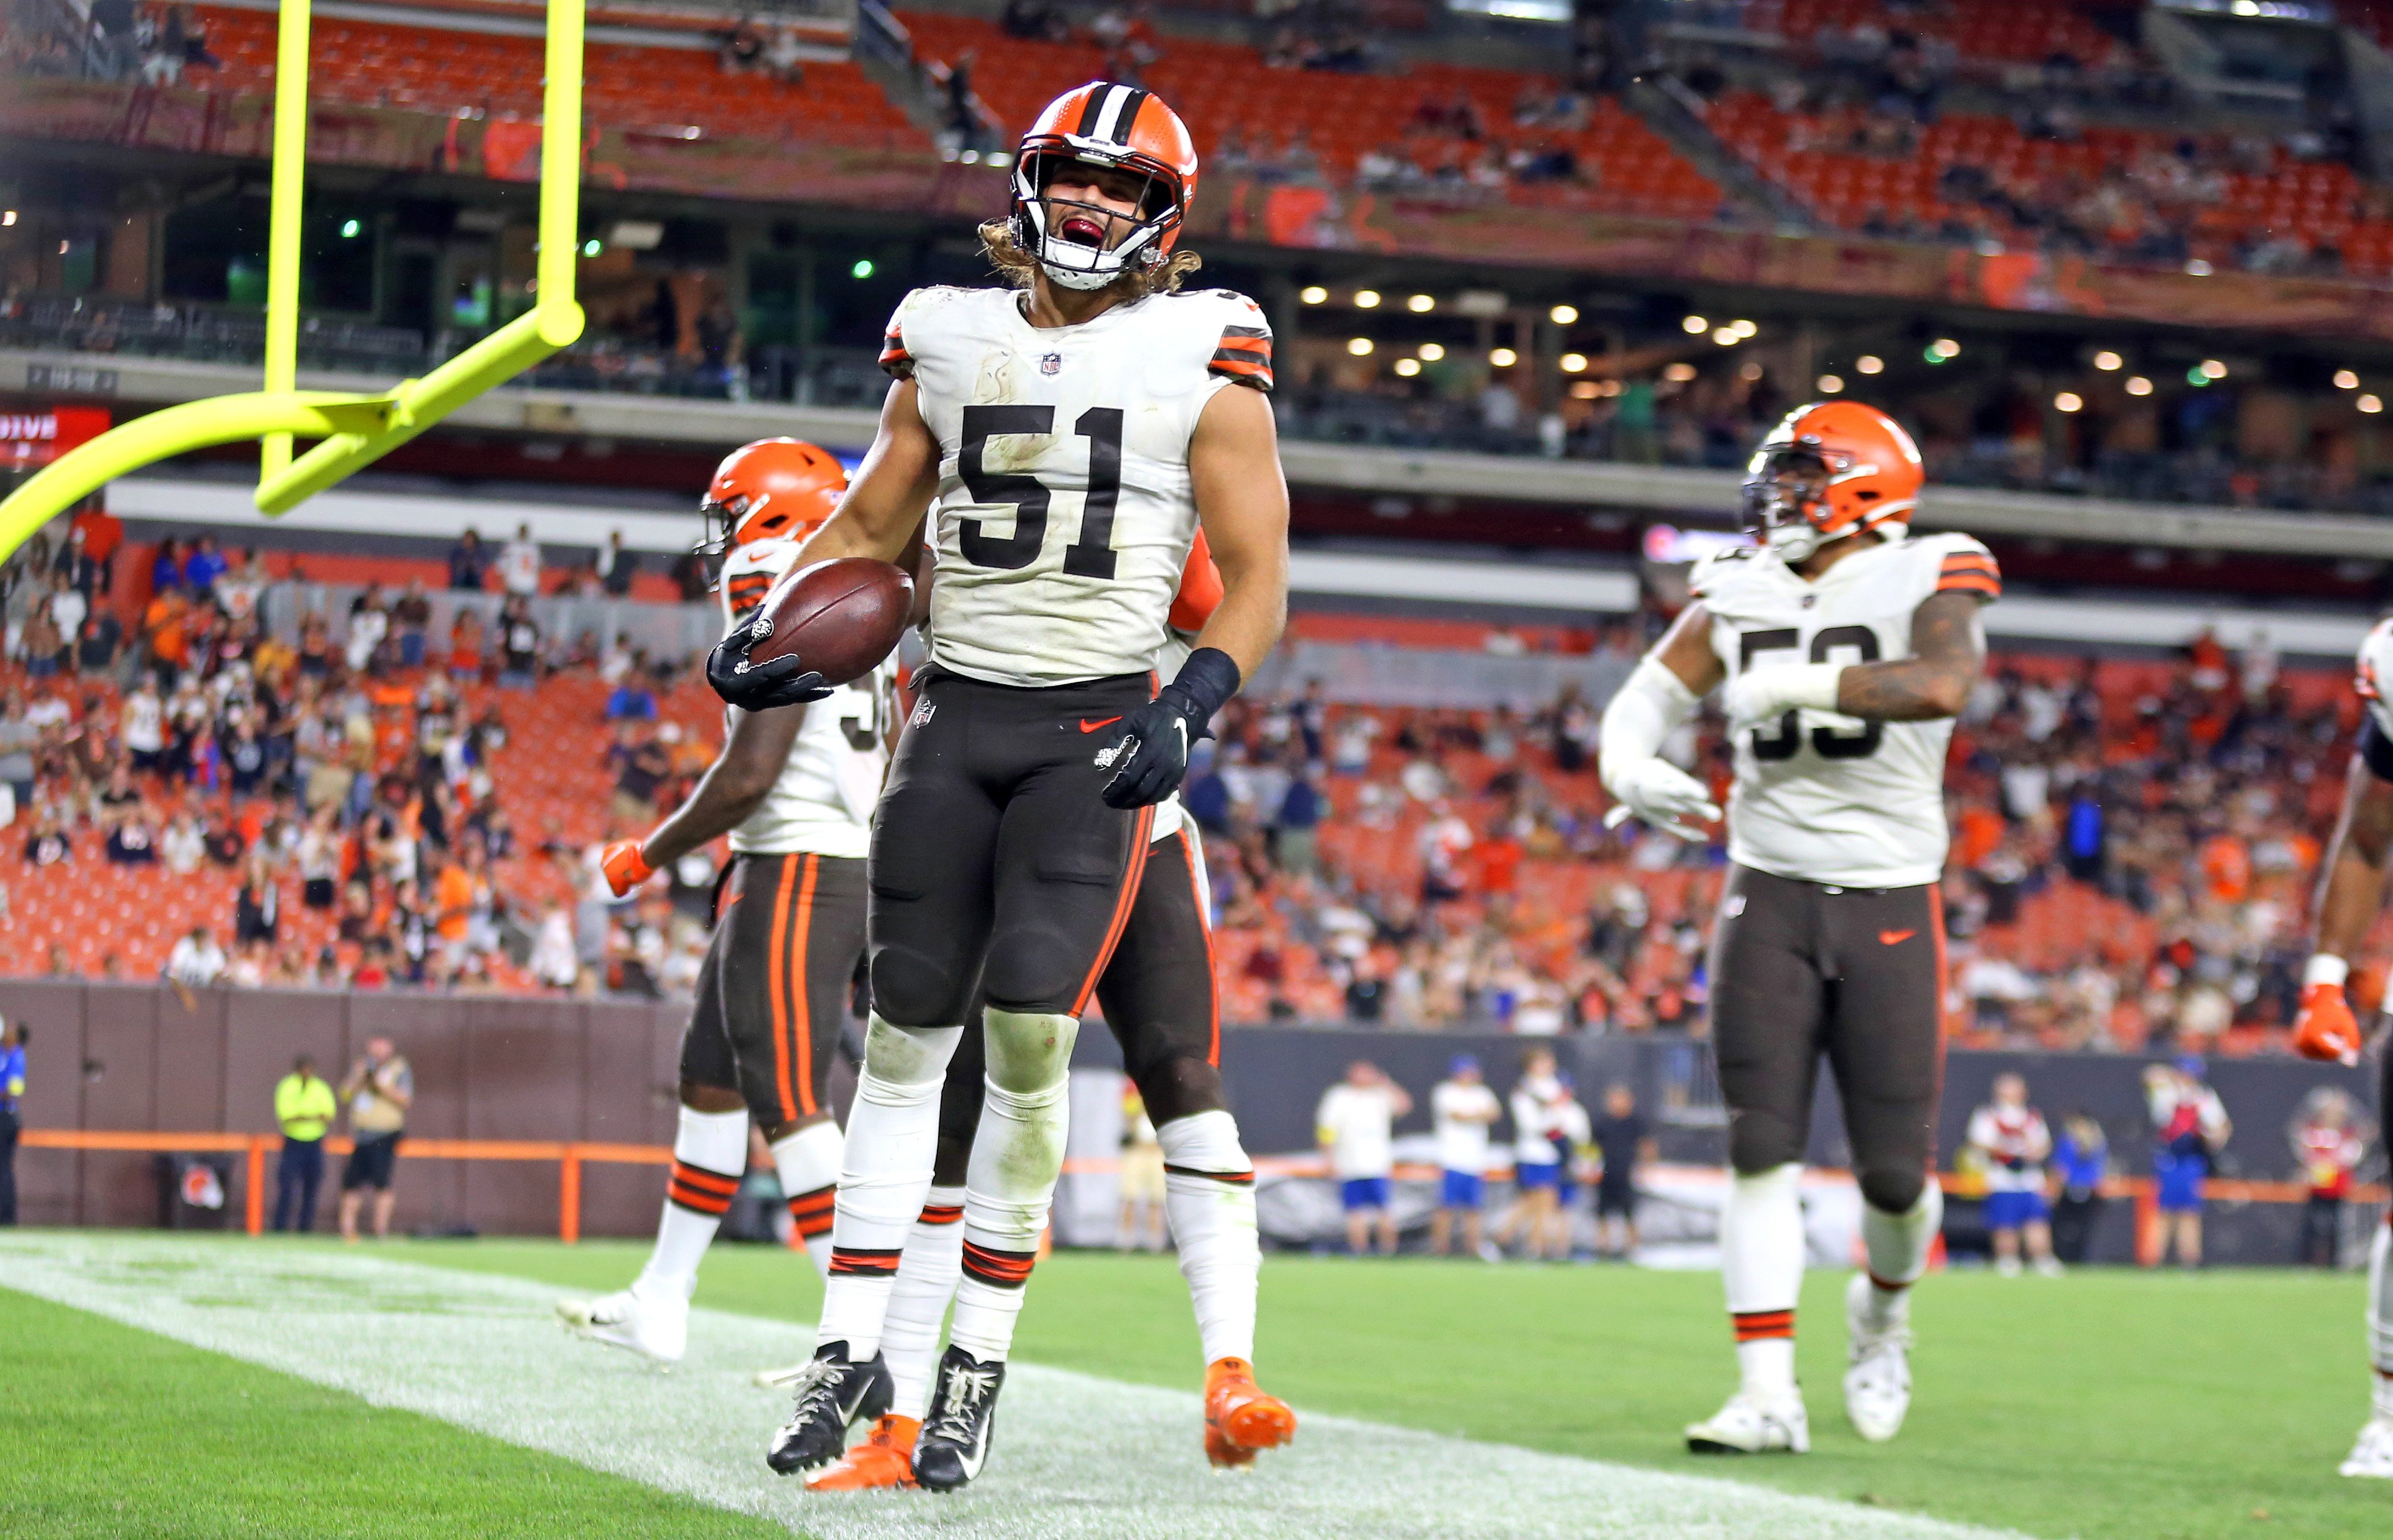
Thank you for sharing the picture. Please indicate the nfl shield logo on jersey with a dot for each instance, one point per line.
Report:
(1051, 363)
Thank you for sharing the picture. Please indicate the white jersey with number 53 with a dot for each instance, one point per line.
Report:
(2374, 678)
(1822, 797)
(1065, 510)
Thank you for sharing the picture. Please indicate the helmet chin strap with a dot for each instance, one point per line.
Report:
(1791, 544)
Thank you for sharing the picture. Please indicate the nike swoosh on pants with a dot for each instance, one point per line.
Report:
(1088, 726)
(1894, 938)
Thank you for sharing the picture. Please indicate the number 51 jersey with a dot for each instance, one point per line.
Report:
(1822, 797)
(1065, 510)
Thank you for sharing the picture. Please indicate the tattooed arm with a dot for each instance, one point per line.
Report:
(1948, 647)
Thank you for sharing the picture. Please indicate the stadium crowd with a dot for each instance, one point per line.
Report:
(2134, 843)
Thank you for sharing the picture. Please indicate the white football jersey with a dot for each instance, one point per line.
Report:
(831, 783)
(1822, 797)
(1065, 512)
(2374, 676)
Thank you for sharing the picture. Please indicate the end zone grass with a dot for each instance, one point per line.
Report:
(2107, 1404)
(2099, 1405)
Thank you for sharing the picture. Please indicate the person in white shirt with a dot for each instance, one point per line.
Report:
(519, 563)
(2012, 1139)
(1356, 1123)
(1463, 1111)
(196, 961)
(1537, 1161)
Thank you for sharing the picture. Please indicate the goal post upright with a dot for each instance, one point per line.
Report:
(352, 431)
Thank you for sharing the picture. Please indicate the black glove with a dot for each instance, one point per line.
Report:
(782, 681)
(1149, 756)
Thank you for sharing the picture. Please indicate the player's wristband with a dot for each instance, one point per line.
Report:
(2325, 968)
(1806, 685)
(1203, 685)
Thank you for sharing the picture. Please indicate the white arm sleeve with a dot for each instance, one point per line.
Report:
(1647, 707)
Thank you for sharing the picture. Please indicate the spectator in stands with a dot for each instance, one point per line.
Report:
(1355, 1124)
(203, 566)
(98, 643)
(412, 616)
(304, 1108)
(379, 1089)
(2328, 1143)
(641, 766)
(166, 567)
(196, 961)
(468, 562)
(19, 740)
(519, 564)
(130, 841)
(240, 589)
(42, 642)
(633, 700)
(1296, 826)
(13, 1039)
(50, 843)
(519, 644)
(1463, 1111)
(2189, 1124)
(1446, 840)
(184, 845)
(1626, 1142)
(68, 609)
(2081, 1159)
(618, 565)
(257, 908)
(369, 624)
(1034, 21)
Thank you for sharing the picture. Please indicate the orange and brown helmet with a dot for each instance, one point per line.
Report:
(1102, 123)
(1831, 469)
(774, 489)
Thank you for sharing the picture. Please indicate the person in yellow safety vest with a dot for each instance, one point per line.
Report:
(303, 1105)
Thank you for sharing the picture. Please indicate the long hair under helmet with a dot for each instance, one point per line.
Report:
(1108, 125)
(1831, 469)
(773, 489)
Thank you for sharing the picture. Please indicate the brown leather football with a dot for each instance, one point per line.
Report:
(840, 616)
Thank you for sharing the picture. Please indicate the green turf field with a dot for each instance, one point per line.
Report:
(2102, 1405)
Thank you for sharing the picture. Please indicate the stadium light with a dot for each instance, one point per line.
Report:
(2138, 386)
(1503, 357)
(1366, 299)
(2108, 361)
(1943, 350)
(863, 268)
(1407, 367)
(2213, 367)
(2346, 380)
(1585, 390)
(591, 247)
(1696, 326)
(1360, 347)
(1564, 314)
(1312, 294)
(1680, 373)
(2197, 268)
(1831, 384)
(2197, 375)
(349, 229)
(8, 217)
(1749, 371)
(2369, 404)
(1421, 305)
(1574, 363)
(1870, 363)
(2068, 400)
(1745, 328)
(1432, 351)
(1726, 336)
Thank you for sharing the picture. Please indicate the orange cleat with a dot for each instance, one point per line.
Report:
(1240, 1419)
(884, 1460)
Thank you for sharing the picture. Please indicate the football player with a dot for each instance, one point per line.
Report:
(794, 789)
(1158, 993)
(2349, 897)
(1068, 433)
(1847, 645)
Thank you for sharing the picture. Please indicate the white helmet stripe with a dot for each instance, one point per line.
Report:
(1110, 127)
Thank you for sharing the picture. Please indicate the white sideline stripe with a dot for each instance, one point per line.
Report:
(1078, 1456)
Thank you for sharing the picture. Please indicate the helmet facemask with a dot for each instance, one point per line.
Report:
(1786, 507)
(1074, 241)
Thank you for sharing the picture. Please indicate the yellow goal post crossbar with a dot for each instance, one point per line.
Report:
(353, 431)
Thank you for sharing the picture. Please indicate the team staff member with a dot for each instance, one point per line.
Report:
(379, 1089)
(1068, 434)
(795, 789)
(305, 1107)
(13, 1038)
(1461, 1112)
(1846, 645)
(1355, 1123)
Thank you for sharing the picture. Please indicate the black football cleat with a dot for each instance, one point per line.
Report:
(832, 1395)
(955, 1438)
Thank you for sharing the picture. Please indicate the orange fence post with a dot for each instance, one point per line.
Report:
(254, 1201)
(568, 1195)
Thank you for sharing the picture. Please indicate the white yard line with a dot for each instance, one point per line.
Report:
(1076, 1455)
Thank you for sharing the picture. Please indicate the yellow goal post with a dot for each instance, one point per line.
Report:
(352, 431)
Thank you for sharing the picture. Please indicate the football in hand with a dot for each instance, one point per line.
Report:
(840, 616)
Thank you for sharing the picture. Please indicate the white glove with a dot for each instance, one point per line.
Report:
(1761, 695)
(1663, 795)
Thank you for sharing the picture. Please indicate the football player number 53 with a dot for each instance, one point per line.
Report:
(1827, 742)
(1091, 556)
